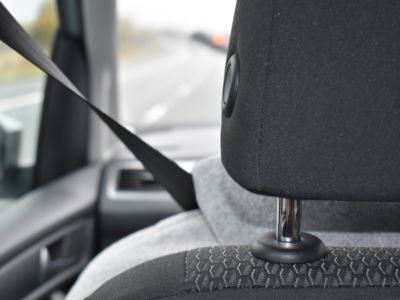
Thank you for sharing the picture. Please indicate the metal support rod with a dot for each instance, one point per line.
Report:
(288, 220)
(288, 244)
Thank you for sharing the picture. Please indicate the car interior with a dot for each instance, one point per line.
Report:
(171, 149)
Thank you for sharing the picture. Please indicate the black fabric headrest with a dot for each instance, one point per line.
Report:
(317, 111)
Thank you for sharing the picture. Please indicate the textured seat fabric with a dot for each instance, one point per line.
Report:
(245, 215)
(235, 267)
(215, 271)
(316, 117)
(172, 235)
(317, 114)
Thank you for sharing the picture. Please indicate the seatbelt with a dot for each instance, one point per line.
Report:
(174, 179)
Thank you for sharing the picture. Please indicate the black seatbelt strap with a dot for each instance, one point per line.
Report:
(174, 179)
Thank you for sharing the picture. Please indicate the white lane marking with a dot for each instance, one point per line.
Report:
(21, 101)
(184, 90)
(160, 110)
(155, 113)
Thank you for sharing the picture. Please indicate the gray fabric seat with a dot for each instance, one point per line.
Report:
(310, 110)
(350, 226)
(232, 272)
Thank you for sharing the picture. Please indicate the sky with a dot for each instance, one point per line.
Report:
(186, 15)
(25, 11)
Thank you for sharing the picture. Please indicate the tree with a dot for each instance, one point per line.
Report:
(42, 29)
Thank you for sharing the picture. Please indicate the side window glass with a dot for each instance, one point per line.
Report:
(171, 61)
(21, 97)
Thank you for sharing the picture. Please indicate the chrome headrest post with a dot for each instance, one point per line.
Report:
(287, 244)
(288, 220)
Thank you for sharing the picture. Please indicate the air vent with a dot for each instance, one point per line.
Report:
(126, 180)
(136, 180)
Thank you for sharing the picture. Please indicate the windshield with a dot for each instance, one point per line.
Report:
(171, 57)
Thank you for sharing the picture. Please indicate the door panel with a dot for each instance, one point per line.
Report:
(48, 263)
(48, 235)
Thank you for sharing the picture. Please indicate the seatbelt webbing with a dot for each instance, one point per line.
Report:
(174, 179)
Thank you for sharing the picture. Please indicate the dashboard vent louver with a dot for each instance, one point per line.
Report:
(131, 179)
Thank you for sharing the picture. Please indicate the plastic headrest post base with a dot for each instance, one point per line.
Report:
(288, 244)
(308, 249)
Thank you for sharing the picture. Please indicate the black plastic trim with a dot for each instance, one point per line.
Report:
(46, 210)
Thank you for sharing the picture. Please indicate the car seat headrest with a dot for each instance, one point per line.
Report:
(311, 106)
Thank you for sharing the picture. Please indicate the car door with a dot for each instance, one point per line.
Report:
(63, 197)
(48, 186)
(52, 166)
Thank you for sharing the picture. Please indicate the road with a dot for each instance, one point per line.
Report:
(182, 86)
(22, 103)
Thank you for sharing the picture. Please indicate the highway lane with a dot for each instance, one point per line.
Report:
(19, 87)
(181, 87)
(25, 109)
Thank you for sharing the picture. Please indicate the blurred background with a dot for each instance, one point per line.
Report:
(171, 60)
(170, 65)
(171, 57)
(68, 187)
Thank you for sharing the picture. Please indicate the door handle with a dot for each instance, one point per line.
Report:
(51, 265)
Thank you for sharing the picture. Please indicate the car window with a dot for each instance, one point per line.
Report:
(171, 57)
(21, 96)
